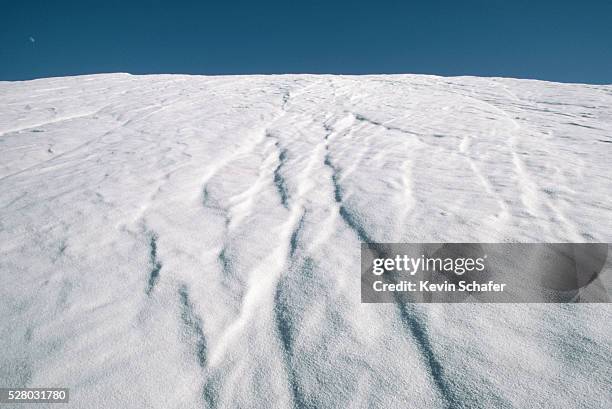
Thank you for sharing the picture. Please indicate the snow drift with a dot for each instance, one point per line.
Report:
(185, 241)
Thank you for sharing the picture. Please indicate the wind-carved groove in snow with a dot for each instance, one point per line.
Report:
(362, 118)
(230, 279)
(416, 328)
(295, 236)
(205, 196)
(346, 214)
(156, 265)
(209, 203)
(210, 391)
(241, 205)
(411, 322)
(226, 264)
(49, 122)
(194, 329)
(285, 100)
(263, 282)
(285, 326)
(279, 180)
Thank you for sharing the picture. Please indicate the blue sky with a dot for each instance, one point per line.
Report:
(569, 41)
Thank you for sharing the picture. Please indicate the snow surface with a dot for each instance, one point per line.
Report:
(186, 241)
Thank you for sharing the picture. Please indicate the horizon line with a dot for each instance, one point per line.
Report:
(360, 74)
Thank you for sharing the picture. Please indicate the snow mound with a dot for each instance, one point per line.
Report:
(186, 241)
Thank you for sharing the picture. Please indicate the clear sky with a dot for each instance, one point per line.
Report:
(569, 41)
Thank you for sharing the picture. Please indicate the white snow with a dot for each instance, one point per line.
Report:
(176, 241)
